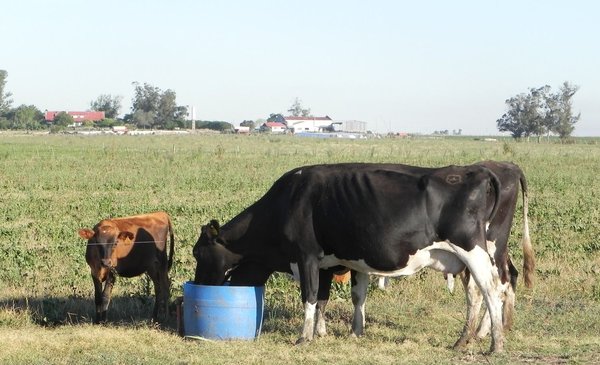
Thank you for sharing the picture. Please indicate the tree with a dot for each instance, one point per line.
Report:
(296, 109)
(63, 119)
(215, 125)
(248, 123)
(154, 108)
(110, 105)
(276, 118)
(513, 120)
(564, 120)
(60, 122)
(168, 112)
(540, 112)
(537, 113)
(143, 119)
(5, 100)
(26, 117)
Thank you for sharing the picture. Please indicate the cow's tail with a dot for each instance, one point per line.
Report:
(528, 254)
(172, 247)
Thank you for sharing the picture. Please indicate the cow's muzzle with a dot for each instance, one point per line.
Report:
(107, 263)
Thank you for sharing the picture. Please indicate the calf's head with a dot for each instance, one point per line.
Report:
(103, 241)
(213, 260)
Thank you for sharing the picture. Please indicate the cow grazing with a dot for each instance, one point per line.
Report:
(511, 178)
(383, 219)
(129, 247)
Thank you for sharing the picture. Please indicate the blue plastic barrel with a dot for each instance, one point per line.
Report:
(222, 312)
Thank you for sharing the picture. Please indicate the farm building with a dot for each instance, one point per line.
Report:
(273, 127)
(310, 124)
(324, 124)
(354, 126)
(78, 117)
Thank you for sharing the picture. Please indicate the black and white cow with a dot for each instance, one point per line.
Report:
(372, 218)
(511, 178)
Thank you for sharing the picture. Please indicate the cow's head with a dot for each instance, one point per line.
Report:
(103, 241)
(213, 260)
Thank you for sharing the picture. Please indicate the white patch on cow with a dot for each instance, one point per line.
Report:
(299, 172)
(309, 320)
(295, 271)
(491, 248)
(437, 256)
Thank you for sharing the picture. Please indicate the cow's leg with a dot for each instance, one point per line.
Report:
(98, 300)
(509, 299)
(165, 291)
(486, 277)
(309, 287)
(102, 296)
(360, 284)
(158, 279)
(325, 277)
(383, 282)
(474, 301)
(508, 307)
(166, 284)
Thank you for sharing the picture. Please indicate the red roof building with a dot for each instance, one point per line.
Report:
(325, 118)
(78, 117)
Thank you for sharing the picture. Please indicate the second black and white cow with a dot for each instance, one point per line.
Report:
(511, 179)
(367, 217)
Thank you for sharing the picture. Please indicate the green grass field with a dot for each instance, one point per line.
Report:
(51, 186)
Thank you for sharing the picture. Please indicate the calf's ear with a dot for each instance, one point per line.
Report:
(86, 233)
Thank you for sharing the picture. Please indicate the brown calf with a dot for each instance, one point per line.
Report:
(129, 247)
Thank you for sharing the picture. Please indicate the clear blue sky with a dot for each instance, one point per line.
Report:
(398, 65)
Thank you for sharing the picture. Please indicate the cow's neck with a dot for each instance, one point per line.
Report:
(248, 239)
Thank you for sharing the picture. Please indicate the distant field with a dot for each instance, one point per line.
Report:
(50, 186)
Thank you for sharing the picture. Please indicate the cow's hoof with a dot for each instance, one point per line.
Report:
(356, 335)
(496, 349)
(461, 343)
(302, 341)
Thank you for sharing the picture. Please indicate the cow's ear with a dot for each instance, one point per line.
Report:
(213, 228)
(86, 233)
(126, 235)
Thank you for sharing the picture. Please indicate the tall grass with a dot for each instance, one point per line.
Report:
(50, 186)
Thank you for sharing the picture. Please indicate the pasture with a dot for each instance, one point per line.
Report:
(51, 186)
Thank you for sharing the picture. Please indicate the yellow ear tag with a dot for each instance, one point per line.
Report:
(213, 231)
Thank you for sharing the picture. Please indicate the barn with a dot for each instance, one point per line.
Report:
(78, 117)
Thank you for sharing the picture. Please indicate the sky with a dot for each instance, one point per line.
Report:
(400, 66)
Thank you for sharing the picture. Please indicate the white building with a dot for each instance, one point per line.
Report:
(354, 126)
(310, 124)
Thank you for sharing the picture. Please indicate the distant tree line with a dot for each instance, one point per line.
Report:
(536, 113)
(152, 108)
(540, 112)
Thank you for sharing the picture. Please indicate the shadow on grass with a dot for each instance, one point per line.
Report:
(73, 310)
(129, 311)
